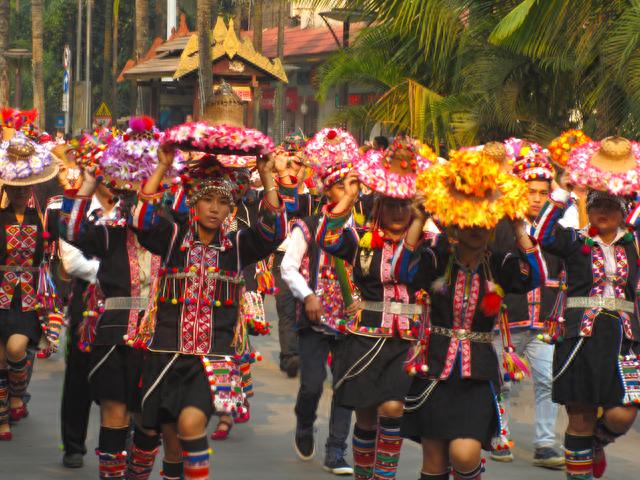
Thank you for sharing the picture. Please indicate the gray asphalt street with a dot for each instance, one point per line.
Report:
(262, 449)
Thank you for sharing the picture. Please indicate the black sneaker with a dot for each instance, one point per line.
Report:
(548, 457)
(304, 445)
(337, 466)
(73, 460)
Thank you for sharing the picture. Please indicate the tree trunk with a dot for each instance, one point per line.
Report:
(141, 43)
(161, 18)
(37, 60)
(114, 56)
(279, 105)
(237, 16)
(107, 82)
(4, 44)
(142, 28)
(257, 43)
(205, 71)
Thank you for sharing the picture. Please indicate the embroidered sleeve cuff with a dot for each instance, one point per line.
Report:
(145, 214)
(335, 220)
(73, 215)
(272, 223)
(633, 219)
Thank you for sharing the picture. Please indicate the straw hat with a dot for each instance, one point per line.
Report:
(392, 172)
(611, 165)
(24, 162)
(471, 190)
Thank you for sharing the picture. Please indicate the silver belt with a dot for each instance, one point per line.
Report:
(126, 303)
(18, 268)
(462, 334)
(607, 303)
(394, 308)
(213, 275)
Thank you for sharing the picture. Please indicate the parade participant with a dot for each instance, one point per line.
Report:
(243, 215)
(195, 332)
(116, 367)
(527, 314)
(24, 239)
(368, 363)
(310, 274)
(291, 156)
(596, 330)
(81, 272)
(451, 407)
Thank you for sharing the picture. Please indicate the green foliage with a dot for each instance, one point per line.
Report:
(459, 72)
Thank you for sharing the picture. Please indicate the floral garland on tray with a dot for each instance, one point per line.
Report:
(584, 174)
(219, 139)
(132, 157)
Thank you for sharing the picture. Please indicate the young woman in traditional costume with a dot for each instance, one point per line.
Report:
(197, 328)
(24, 239)
(452, 407)
(126, 274)
(596, 330)
(368, 364)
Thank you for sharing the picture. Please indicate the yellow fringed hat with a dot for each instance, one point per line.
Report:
(472, 191)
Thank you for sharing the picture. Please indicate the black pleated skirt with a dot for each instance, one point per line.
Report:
(592, 377)
(382, 378)
(16, 322)
(455, 408)
(167, 393)
(115, 375)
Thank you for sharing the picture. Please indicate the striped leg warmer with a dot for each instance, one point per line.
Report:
(143, 454)
(4, 397)
(18, 376)
(171, 470)
(474, 474)
(112, 456)
(364, 452)
(195, 458)
(578, 454)
(388, 444)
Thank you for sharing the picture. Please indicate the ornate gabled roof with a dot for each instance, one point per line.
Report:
(225, 42)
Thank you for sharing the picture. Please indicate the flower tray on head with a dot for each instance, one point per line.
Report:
(611, 165)
(220, 140)
(132, 157)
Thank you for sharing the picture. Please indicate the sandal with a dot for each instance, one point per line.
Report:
(222, 433)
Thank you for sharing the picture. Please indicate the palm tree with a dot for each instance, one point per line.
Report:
(257, 43)
(461, 72)
(37, 59)
(107, 53)
(114, 51)
(279, 100)
(161, 19)
(142, 28)
(205, 73)
(4, 44)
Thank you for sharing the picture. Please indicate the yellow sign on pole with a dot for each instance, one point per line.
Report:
(102, 116)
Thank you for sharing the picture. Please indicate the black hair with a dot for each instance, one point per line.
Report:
(382, 141)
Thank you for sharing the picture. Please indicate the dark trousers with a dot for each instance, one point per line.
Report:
(314, 348)
(286, 308)
(76, 396)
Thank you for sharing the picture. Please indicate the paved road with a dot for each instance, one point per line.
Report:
(262, 448)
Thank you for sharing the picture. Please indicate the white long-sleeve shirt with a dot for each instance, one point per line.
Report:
(291, 263)
(74, 261)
